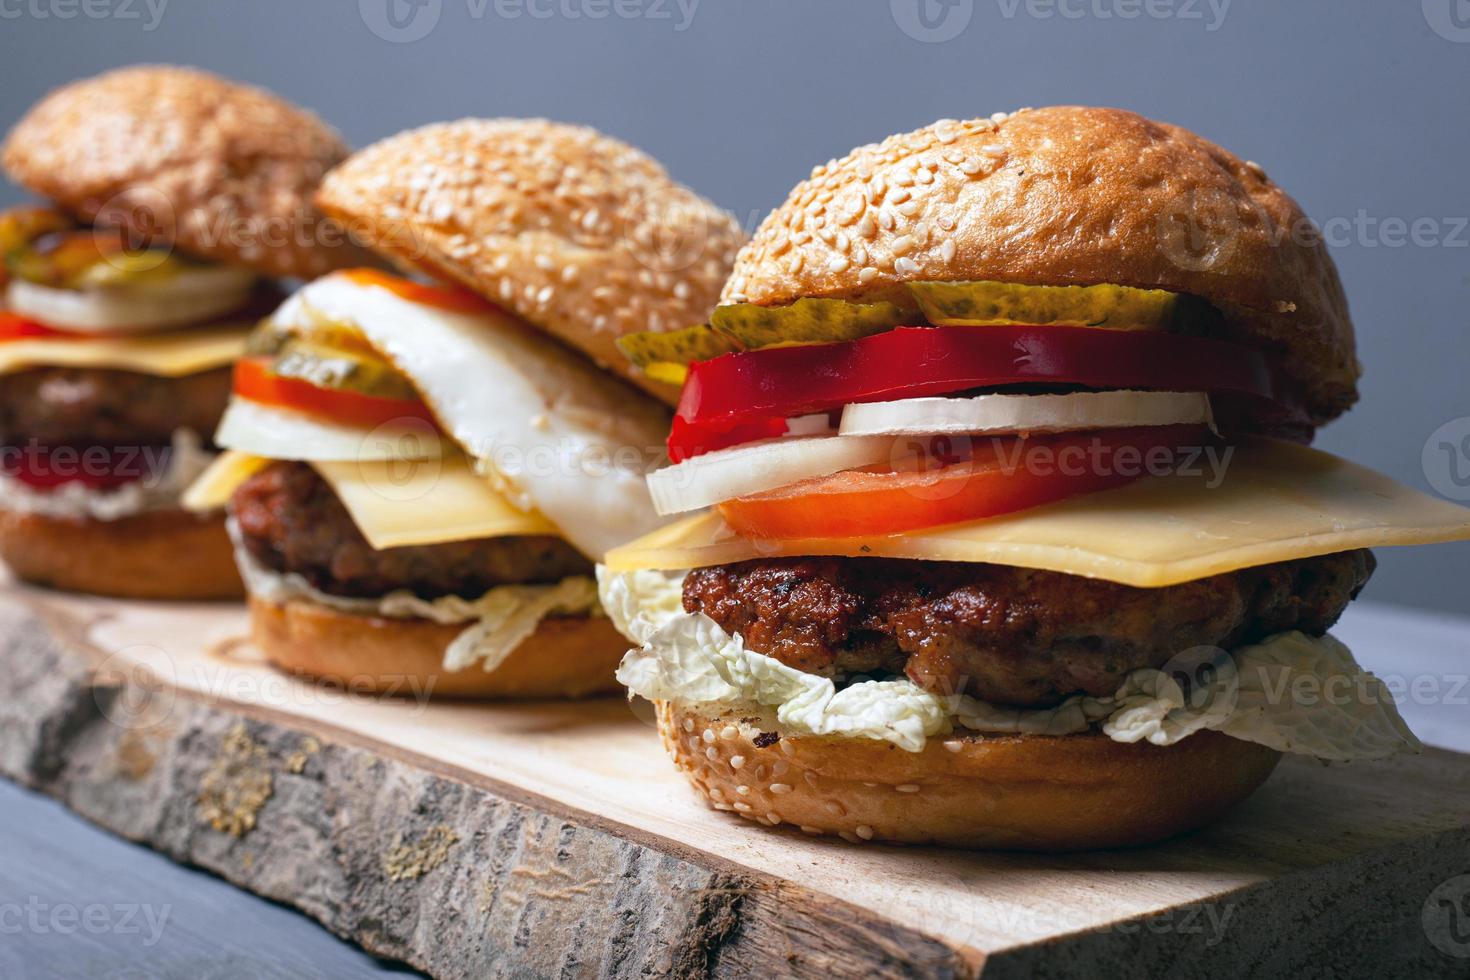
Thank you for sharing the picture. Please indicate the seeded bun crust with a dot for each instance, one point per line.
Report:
(1012, 792)
(567, 657)
(1067, 195)
(155, 555)
(577, 233)
(224, 171)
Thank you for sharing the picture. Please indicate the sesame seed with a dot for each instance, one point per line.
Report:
(947, 250)
(905, 266)
(779, 788)
(736, 761)
(742, 807)
(723, 806)
(867, 274)
(772, 819)
(953, 745)
(728, 732)
(902, 245)
(716, 793)
(835, 808)
(743, 790)
(899, 196)
(794, 266)
(708, 736)
(864, 831)
(907, 788)
(838, 263)
(806, 829)
(761, 772)
(711, 754)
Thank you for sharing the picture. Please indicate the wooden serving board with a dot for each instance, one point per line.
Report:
(557, 840)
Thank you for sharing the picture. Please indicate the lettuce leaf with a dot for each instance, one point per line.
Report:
(1291, 692)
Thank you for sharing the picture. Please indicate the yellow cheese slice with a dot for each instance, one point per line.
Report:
(1277, 501)
(211, 490)
(427, 501)
(392, 502)
(168, 355)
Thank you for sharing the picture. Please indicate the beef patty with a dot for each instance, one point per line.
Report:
(1007, 635)
(291, 521)
(57, 406)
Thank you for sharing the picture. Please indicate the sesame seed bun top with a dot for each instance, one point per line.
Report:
(223, 171)
(1067, 195)
(577, 233)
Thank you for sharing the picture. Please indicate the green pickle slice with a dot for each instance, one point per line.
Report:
(665, 356)
(341, 370)
(808, 321)
(329, 354)
(1001, 303)
(748, 327)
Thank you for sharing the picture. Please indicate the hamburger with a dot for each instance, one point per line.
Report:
(177, 202)
(424, 466)
(1000, 524)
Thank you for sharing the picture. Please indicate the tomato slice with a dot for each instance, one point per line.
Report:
(454, 298)
(15, 327)
(728, 394)
(254, 381)
(94, 467)
(996, 476)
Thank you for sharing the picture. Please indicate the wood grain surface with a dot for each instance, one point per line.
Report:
(555, 840)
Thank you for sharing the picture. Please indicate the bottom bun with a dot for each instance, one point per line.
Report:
(167, 554)
(1015, 792)
(567, 657)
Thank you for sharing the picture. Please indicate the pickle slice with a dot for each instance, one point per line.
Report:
(808, 321)
(23, 225)
(1114, 307)
(664, 355)
(342, 370)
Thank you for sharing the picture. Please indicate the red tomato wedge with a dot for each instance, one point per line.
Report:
(94, 467)
(998, 476)
(737, 393)
(14, 327)
(454, 298)
(254, 381)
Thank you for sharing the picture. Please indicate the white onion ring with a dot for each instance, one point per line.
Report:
(263, 430)
(1077, 411)
(760, 466)
(189, 297)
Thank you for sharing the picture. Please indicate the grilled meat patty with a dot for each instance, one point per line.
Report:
(57, 406)
(1007, 635)
(291, 521)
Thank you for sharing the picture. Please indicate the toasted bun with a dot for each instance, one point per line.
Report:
(1067, 195)
(575, 232)
(154, 555)
(223, 171)
(1016, 792)
(567, 657)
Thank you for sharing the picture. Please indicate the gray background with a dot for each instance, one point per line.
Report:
(1357, 108)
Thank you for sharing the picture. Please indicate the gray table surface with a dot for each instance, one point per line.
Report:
(78, 902)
